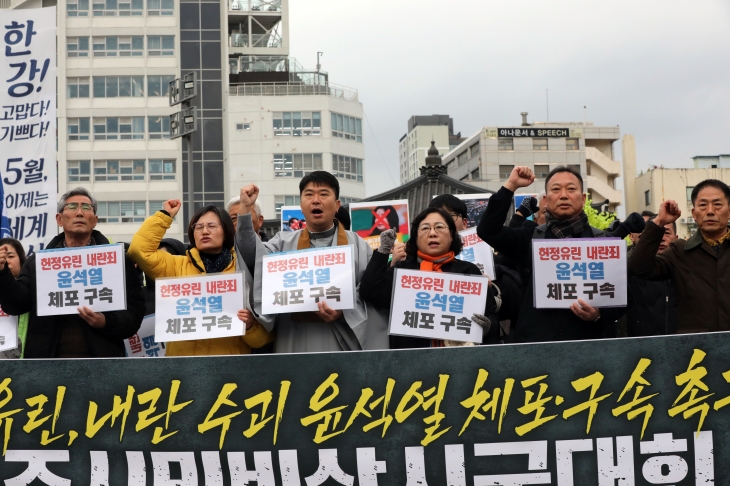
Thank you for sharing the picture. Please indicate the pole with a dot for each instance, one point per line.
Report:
(191, 197)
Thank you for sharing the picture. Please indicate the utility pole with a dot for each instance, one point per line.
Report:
(184, 123)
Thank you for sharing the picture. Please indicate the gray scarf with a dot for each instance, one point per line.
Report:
(565, 228)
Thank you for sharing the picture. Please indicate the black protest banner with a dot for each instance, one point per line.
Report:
(630, 411)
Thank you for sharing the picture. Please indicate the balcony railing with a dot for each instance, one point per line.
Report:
(293, 89)
(238, 40)
(255, 5)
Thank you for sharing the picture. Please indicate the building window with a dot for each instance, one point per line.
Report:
(159, 127)
(162, 169)
(77, 87)
(462, 158)
(158, 85)
(156, 206)
(113, 46)
(505, 144)
(346, 127)
(118, 170)
(296, 165)
(571, 144)
(541, 171)
(118, 86)
(77, 47)
(689, 194)
(647, 198)
(505, 170)
(475, 174)
(78, 129)
(160, 7)
(474, 150)
(112, 8)
(160, 45)
(119, 128)
(78, 170)
(77, 8)
(297, 123)
(346, 167)
(243, 126)
(575, 167)
(122, 211)
(280, 201)
(344, 200)
(539, 144)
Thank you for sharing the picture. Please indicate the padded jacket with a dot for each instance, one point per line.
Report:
(156, 264)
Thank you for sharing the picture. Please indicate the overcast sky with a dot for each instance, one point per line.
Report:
(657, 68)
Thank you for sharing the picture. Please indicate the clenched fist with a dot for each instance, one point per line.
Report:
(521, 176)
(172, 206)
(669, 212)
(248, 196)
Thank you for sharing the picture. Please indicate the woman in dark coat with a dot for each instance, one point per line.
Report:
(433, 246)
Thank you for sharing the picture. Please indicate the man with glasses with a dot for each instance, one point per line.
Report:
(87, 334)
(455, 207)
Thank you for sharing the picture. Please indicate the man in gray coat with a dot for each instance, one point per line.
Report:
(327, 329)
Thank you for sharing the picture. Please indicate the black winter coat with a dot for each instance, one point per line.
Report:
(44, 333)
(538, 325)
(652, 309)
(376, 288)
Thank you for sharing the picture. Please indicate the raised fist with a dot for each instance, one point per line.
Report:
(248, 196)
(521, 176)
(669, 212)
(3, 256)
(172, 206)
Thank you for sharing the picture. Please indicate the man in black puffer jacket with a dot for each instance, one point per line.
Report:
(652, 304)
(87, 334)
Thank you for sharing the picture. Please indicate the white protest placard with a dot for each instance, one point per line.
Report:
(296, 281)
(142, 344)
(91, 276)
(28, 126)
(477, 251)
(437, 305)
(199, 307)
(8, 331)
(592, 269)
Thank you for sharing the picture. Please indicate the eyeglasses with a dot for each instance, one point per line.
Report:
(85, 207)
(454, 216)
(198, 227)
(425, 229)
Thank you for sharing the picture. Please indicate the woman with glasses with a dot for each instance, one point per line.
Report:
(433, 247)
(212, 237)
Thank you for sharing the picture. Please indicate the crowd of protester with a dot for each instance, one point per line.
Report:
(674, 285)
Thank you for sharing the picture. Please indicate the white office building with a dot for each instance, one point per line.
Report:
(262, 118)
(115, 60)
(414, 145)
(487, 158)
(283, 120)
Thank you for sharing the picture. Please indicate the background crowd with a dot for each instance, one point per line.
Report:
(674, 286)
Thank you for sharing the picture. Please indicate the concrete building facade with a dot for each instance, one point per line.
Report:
(114, 63)
(262, 117)
(487, 158)
(284, 120)
(659, 184)
(414, 145)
